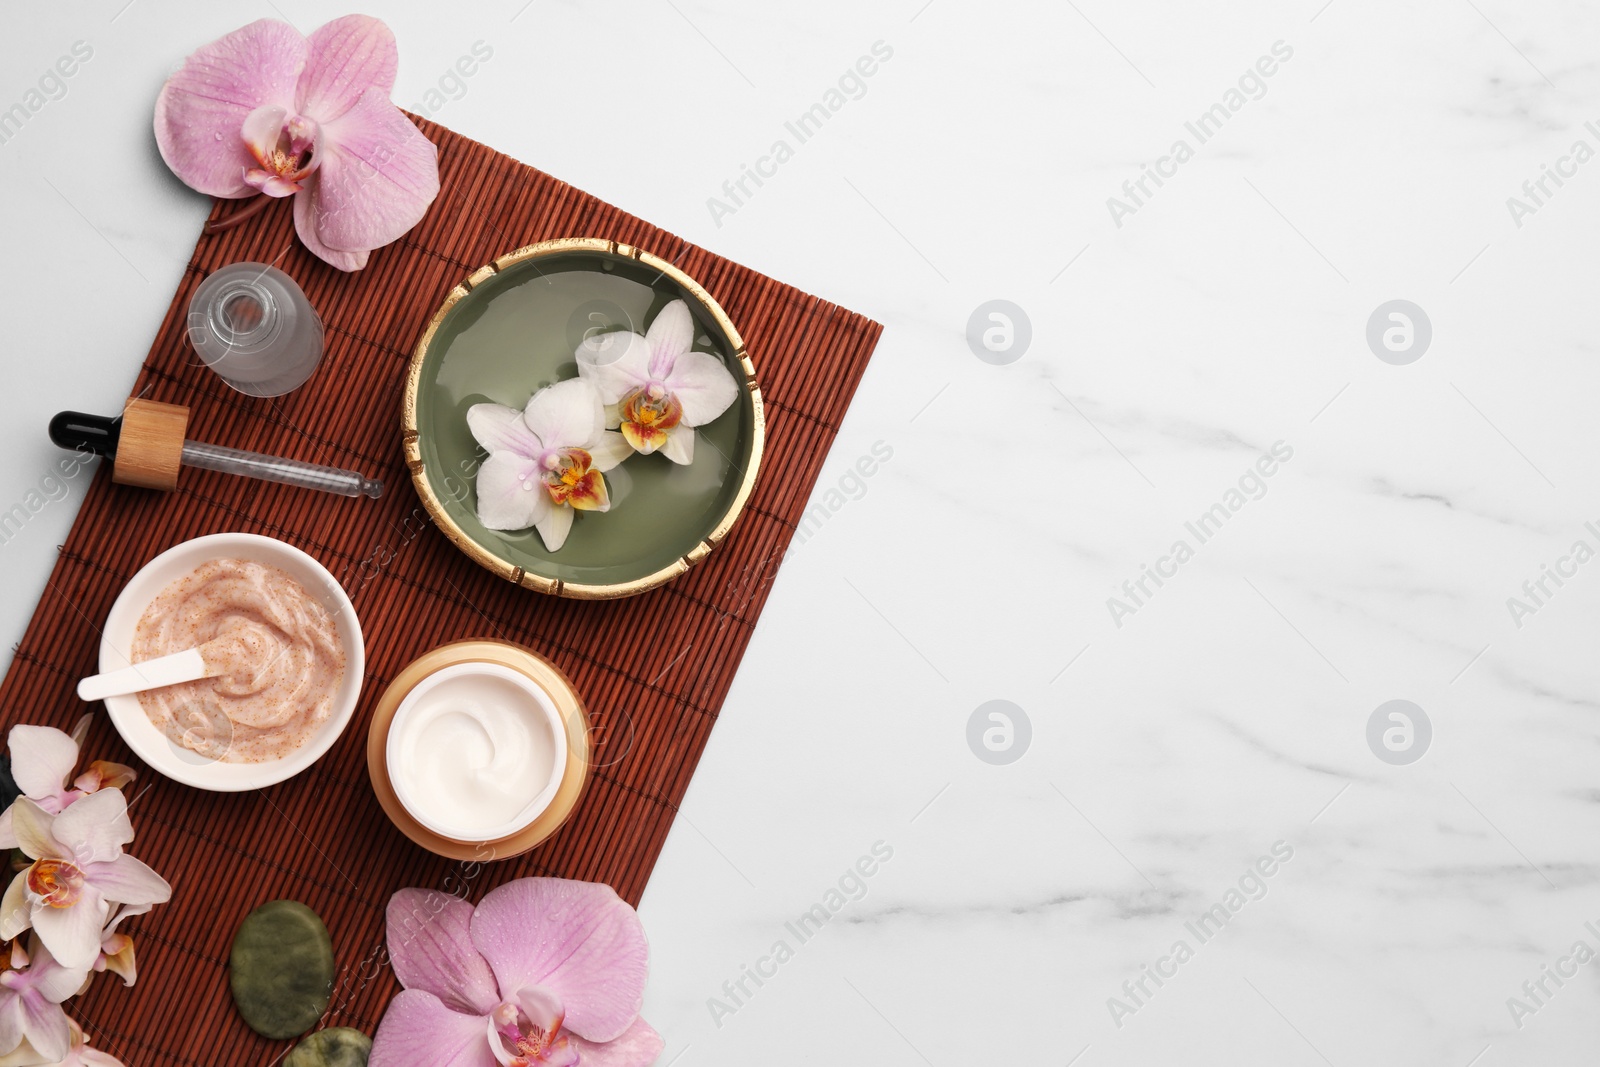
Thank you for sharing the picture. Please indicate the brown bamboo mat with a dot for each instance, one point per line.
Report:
(653, 669)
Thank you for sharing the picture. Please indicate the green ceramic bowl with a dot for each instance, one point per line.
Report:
(511, 329)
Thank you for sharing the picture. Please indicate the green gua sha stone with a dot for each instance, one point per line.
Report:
(281, 969)
(338, 1047)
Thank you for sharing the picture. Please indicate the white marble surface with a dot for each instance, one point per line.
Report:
(1226, 314)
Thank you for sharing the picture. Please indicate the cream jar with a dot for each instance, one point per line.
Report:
(479, 750)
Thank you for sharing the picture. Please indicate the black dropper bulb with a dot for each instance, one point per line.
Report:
(86, 433)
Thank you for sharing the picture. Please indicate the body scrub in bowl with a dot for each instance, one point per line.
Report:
(274, 649)
(282, 637)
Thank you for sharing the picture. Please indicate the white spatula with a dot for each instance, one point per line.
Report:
(187, 666)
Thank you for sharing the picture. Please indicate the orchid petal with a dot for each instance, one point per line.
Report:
(116, 950)
(305, 213)
(495, 1029)
(639, 1046)
(84, 1056)
(117, 956)
(345, 58)
(203, 106)
(579, 939)
(431, 949)
(306, 205)
(679, 445)
(511, 493)
(614, 363)
(72, 934)
(103, 774)
(93, 1057)
(670, 336)
(50, 979)
(80, 729)
(16, 914)
(95, 828)
(273, 185)
(419, 1031)
(568, 414)
(589, 493)
(33, 827)
(13, 1028)
(127, 911)
(610, 450)
(643, 439)
(498, 428)
(128, 881)
(703, 385)
(554, 527)
(261, 130)
(47, 1029)
(8, 836)
(25, 1055)
(562, 1053)
(542, 1007)
(42, 759)
(376, 176)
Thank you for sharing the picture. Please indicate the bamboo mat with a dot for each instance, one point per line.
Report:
(653, 669)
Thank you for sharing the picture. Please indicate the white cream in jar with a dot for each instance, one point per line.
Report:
(476, 751)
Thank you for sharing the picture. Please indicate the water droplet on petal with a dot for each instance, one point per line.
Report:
(218, 135)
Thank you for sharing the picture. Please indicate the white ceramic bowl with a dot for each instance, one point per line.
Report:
(441, 687)
(192, 768)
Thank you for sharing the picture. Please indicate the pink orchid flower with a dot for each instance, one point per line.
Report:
(33, 1028)
(78, 869)
(544, 973)
(266, 110)
(42, 761)
(545, 461)
(659, 387)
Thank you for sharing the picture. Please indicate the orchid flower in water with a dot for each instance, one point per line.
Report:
(546, 462)
(33, 1028)
(655, 386)
(545, 972)
(42, 761)
(268, 111)
(78, 869)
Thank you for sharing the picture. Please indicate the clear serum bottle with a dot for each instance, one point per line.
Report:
(253, 325)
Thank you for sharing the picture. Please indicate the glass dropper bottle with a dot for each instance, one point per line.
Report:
(147, 447)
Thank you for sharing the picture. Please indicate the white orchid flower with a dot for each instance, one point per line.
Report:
(655, 386)
(545, 461)
(78, 870)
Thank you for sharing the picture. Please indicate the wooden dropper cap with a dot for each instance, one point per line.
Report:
(150, 448)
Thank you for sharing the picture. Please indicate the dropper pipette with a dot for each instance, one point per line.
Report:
(147, 446)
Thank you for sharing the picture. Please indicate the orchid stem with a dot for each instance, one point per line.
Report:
(228, 222)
